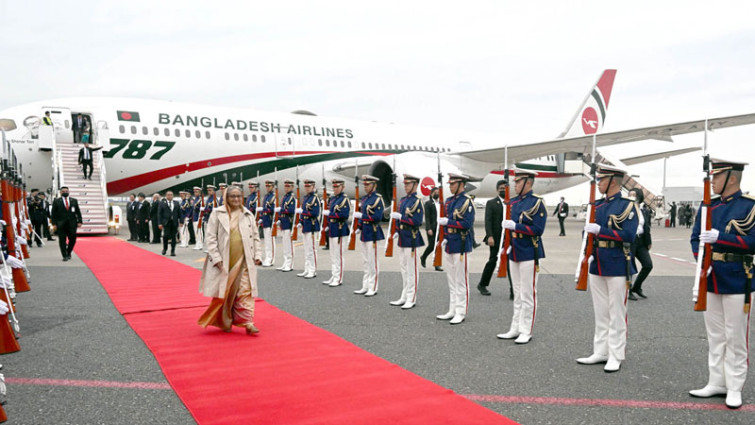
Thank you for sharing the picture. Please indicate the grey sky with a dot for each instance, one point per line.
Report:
(515, 68)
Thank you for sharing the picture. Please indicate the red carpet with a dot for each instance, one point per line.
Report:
(291, 373)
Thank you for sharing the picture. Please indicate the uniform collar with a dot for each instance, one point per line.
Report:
(734, 196)
(526, 194)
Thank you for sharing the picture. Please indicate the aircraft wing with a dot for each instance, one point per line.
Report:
(523, 151)
(654, 156)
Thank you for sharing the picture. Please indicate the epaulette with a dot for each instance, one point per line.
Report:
(626, 198)
(535, 195)
(467, 196)
(750, 197)
(714, 197)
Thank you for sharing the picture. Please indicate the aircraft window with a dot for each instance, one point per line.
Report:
(145, 131)
(188, 134)
(289, 141)
(327, 142)
(122, 129)
(236, 136)
(262, 138)
(207, 134)
(254, 138)
(177, 133)
(349, 144)
(370, 145)
(227, 137)
(319, 142)
(133, 129)
(246, 138)
(343, 145)
(198, 134)
(156, 131)
(167, 132)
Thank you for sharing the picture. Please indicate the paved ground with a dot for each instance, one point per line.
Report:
(73, 333)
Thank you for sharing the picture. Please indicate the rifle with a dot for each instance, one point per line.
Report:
(392, 223)
(275, 214)
(438, 260)
(324, 224)
(588, 239)
(201, 207)
(704, 251)
(19, 277)
(503, 248)
(295, 235)
(354, 221)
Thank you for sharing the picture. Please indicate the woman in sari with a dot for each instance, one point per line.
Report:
(229, 275)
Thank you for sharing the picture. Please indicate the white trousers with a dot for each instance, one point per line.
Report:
(727, 326)
(408, 261)
(370, 266)
(310, 253)
(609, 300)
(524, 283)
(457, 273)
(288, 249)
(336, 259)
(269, 245)
(198, 235)
(183, 235)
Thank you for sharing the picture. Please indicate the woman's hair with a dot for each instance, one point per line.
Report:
(228, 191)
(639, 196)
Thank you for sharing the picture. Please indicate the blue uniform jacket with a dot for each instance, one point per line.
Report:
(251, 203)
(220, 201)
(528, 211)
(338, 219)
(618, 219)
(196, 205)
(733, 218)
(372, 207)
(268, 210)
(460, 213)
(310, 215)
(288, 208)
(185, 210)
(410, 226)
(209, 204)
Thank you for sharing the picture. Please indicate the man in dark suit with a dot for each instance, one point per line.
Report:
(431, 224)
(142, 219)
(168, 214)
(561, 211)
(66, 218)
(37, 215)
(154, 219)
(493, 219)
(80, 123)
(45, 206)
(132, 206)
(86, 158)
(641, 245)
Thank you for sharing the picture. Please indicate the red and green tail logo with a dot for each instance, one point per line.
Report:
(128, 116)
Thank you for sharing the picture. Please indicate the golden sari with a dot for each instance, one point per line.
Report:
(237, 306)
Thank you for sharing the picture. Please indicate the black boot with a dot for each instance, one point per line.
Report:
(639, 293)
(631, 296)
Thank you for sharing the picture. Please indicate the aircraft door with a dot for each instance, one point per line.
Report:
(61, 122)
(102, 135)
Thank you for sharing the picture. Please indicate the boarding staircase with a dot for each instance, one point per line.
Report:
(91, 194)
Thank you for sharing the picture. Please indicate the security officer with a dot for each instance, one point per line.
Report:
(528, 216)
(409, 216)
(253, 199)
(286, 212)
(370, 216)
(458, 242)
(309, 221)
(732, 236)
(612, 267)
(338, 230)
(196, 210)
(265, 215)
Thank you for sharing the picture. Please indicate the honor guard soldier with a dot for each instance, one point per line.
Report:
(732, 236)
(611, 268)
(458, 242)
(370, 216)
(528, 216)
(196, 212)
(210, 203)
(266, 215)
(252, 201)
(409, 217)
(221, 193)
(338, 229)
(187, 235)
(309, 214)
(286, 212)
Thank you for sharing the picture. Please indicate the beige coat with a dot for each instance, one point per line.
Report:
(217, 240)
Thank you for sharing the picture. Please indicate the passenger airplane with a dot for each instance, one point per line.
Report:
(151, 146)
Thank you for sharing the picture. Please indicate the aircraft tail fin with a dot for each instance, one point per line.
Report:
(591, 114)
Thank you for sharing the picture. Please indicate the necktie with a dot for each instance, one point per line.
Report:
(66, 202)
(170, 204)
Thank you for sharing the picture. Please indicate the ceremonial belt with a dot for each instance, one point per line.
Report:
(610, 244)
(516, 235)
(455, 230)
(729, 257)
(403, 226)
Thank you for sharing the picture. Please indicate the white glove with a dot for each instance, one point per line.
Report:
(258, 209)
(395, 235)
(21, 240)
(278, 223)
(443, 221)
(358, 231)
(299, 211)
(358, 215)
(259, 221)
(28, 222)
(3, 222)
(325, 229)
(509, 224)
(277, 209)
(3, 307)
(443, 244)
(709, 236)
(201, 209)
(14, 262)
(508, 251)
(326, 212)
(396, 215)
(590, 259)
(593, 228)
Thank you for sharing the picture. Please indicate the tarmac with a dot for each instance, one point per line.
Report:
(81, 363)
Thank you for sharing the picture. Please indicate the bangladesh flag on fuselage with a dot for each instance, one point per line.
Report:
(128, 116)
